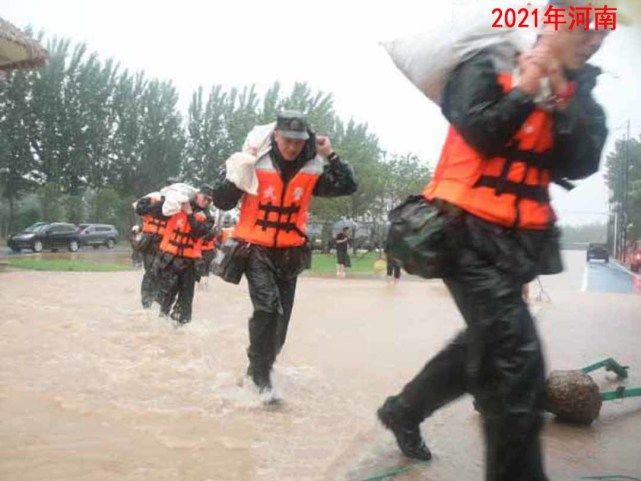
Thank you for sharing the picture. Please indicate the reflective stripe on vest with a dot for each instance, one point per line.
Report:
(152, 225)
(510, 189)
(277, 215)
(177, 239)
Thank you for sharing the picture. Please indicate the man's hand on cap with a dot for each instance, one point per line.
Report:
(323, 146)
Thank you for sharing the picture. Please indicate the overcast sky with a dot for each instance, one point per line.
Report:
(333, 45)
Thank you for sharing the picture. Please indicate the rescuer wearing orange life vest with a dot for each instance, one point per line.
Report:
(153, 227)
(179, 250)
(507, 141)
(297, 166)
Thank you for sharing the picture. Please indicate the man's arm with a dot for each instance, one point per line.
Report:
(476, 105)
(336, 180)
(580, 132)
(200, 228)
(226, 194)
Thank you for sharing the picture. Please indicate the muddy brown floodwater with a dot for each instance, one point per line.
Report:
(94, 388)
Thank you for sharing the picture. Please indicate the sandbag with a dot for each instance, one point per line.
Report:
(240, 167)
(258, 139)
(175, 195)
(573, 396)
(155, 195)
(427, 58)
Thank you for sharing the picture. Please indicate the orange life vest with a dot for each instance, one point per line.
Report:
(177, 239)
(509, 190)
(207, 244)
(277, 215)
(152, 225)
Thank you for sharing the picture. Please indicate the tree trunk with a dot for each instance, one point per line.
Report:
(11, 216)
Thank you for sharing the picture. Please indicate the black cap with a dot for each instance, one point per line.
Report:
(207, 190)
(292, 125)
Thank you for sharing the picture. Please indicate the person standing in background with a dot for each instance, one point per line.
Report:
(393, 270)
(342, 256)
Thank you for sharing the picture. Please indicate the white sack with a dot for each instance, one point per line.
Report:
(175, 195)
(427, 59)
(241, 166)
(155, 195)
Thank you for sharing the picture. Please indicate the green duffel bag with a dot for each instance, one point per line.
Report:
(425, 237)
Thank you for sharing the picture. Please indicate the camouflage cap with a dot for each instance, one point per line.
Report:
(292, 125)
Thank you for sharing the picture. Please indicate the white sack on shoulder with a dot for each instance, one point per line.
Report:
(258, 139)
(175, 195)
(241, 171)
(156, 195)
(428, 58)
(241, 166)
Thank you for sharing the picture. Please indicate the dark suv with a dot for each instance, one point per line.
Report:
(597, 251)
(40, 236)
(97, 235)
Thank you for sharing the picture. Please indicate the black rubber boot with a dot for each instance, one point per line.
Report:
(177, 316)
(408, 434)
(260, 377)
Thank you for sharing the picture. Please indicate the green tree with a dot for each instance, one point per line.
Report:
(16, 161)
(161, 141)
(626, 152)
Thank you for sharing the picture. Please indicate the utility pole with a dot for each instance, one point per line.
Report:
(626, 182)
(615, 243)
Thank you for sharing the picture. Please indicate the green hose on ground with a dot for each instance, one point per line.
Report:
(613, 477)
(391, 473)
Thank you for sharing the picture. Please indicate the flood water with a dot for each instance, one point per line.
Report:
(92, 387)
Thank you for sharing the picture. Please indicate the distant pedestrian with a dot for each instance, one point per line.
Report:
(393, 270)
(342, 244)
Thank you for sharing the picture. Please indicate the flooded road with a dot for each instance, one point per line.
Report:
(611, 277)
(94, 388)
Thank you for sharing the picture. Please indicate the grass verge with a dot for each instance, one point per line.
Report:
(67, 265)
(326, 263)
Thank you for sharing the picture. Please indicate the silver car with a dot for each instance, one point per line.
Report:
(96, 235)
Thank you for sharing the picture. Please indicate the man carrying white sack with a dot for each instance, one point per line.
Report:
(489, 229)
(289, 167)
(188, 220)
(153, 228)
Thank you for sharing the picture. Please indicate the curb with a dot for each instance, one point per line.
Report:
(625, 269)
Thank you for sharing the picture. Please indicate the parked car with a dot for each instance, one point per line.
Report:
(13, 240)
(97, 235)
(597, 251)
(636, 261)
(41, 236)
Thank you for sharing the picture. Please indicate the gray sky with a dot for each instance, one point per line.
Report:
(333, 45)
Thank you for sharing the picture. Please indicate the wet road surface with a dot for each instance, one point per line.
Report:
(92, 387)
(610, 278)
